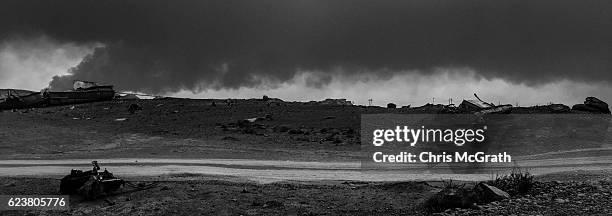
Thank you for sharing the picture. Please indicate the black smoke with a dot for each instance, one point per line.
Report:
(164, 46)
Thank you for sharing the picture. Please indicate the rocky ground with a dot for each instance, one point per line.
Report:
(581, 193)
(214, 197)
(184, 128)
(551, 198)
(206, 128)
(573, 193)
(179, 128)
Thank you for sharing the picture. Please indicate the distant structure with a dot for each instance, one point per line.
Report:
(370, 102)
(341, 101)
(391, 106)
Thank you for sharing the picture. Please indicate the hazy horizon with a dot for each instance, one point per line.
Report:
(525, 52)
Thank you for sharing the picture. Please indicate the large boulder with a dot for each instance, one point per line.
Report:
(450, 198)
(488, 193)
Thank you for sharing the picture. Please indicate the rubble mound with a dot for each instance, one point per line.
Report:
(592, 105)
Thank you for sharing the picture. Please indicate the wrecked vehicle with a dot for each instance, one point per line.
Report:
(18, 99)
(82, 92)
(481, 107)
(90, 184)
(592, 105)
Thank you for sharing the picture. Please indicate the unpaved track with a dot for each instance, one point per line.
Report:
(271, 171)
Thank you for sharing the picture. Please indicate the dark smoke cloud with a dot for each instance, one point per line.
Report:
(163, 46)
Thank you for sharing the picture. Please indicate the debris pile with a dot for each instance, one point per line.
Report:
(592, 105)
(18, 99)
(337, 102)
(473, 105)
(82, 92)
(262, 126)
(248, 126)
(558, 108)
(132, 108)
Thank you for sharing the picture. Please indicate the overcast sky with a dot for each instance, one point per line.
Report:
(407, 52)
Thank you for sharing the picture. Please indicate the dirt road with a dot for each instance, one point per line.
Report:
(271, 170)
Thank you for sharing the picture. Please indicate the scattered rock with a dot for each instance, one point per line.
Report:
(450, 198)
(295, 131)
(109, 202)
(281, 128)
(489, 193)
(272, 204)
(132, 108)
(268, 116)
(230, 138)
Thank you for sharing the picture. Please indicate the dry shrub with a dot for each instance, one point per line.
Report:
(518, 181)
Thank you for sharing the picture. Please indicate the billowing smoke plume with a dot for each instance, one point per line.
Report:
(165, 46)
(30, 62)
